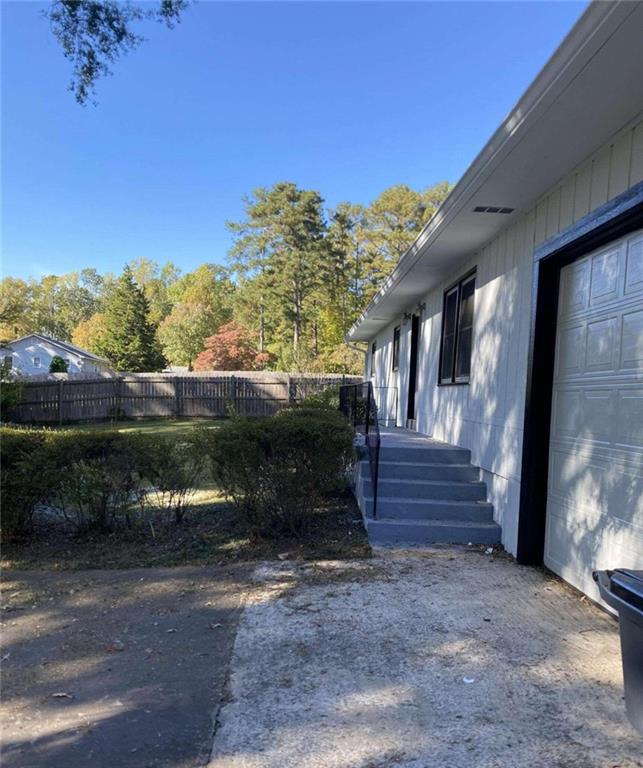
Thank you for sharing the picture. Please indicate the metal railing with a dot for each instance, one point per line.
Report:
(357, 403)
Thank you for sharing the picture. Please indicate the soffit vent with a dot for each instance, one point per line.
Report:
(492, 209)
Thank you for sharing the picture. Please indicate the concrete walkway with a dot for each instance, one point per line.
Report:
(403, 438)
(423, 660)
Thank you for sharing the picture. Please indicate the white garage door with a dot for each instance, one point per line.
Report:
(595, 493)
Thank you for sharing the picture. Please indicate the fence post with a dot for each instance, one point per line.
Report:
(291, 391)
(117, 398)
(60, 401)
(177, 396)
(233, 393)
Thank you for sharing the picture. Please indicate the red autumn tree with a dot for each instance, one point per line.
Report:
(232, 348)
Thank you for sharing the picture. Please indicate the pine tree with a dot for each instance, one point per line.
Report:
(282, 243)
(128, 340)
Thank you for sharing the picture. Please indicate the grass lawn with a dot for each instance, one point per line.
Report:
(146, 426)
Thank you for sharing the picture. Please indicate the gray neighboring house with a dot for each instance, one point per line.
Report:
(31, 355)
(513, 326)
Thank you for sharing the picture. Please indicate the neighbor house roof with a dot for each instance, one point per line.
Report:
(64, 345)
(589, 89)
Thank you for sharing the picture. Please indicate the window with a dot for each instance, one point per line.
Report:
(396, 348)
(36, 362)
(457, 332)
(7, 362)
(373, 351)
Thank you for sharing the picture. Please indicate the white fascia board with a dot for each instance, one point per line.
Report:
(591, 31)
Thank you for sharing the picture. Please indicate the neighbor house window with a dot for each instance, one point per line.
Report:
(36, 362)
(7, 362)
(373, 351)
(396, 348)
(457, 332)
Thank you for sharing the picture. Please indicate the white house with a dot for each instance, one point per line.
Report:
(31, 355)
(513, 326)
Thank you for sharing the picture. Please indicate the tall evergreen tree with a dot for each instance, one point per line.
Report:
(128, 340)
(282, 240)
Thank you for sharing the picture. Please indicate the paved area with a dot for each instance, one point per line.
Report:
(423, 660)
(118, 669)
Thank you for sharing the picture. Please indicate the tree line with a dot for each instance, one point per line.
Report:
(296, 278)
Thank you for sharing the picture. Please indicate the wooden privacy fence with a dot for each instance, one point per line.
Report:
(166, 395)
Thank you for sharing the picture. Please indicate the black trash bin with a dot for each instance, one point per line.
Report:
(623, 590)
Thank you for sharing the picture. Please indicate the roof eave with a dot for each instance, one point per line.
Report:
(521, 118)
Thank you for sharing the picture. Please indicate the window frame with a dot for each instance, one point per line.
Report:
(395, 357)
(454, 380)
(37, 364)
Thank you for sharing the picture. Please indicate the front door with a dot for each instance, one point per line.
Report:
(413, 370)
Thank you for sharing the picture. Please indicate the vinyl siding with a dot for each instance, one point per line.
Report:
(487, 415)
(24, 352)
(386, 381)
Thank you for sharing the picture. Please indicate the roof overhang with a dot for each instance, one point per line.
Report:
(590, 89)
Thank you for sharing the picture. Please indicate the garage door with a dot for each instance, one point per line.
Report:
(595, 492)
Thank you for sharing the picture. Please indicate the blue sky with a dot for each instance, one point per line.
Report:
(345, 98)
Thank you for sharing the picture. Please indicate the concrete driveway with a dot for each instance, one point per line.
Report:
(423, 660)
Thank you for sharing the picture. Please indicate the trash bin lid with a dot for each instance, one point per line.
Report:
(628, 585)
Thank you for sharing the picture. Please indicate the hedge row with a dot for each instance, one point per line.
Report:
(95, 478)
(276, 470)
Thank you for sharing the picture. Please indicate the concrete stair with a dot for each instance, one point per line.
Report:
(428, 493)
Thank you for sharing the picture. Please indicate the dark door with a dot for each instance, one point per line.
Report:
(413, 367)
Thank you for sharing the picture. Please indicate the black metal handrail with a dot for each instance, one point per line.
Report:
(357, 403)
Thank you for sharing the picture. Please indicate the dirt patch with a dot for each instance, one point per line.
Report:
(423, 660)
(119, 669)
(211, 534)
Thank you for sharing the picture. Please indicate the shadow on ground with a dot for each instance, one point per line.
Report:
(114, 669)
(423, 660)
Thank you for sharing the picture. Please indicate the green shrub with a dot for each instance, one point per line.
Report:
(58, 365)
(10, 393)
(26, 479)
(173, 468)
(328, 398)
(278, 469)
(97, 479)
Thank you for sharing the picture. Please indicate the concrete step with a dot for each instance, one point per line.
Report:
(429, 509)
(430, 454)
(428, 489)
(399, 470)
(410, 532)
